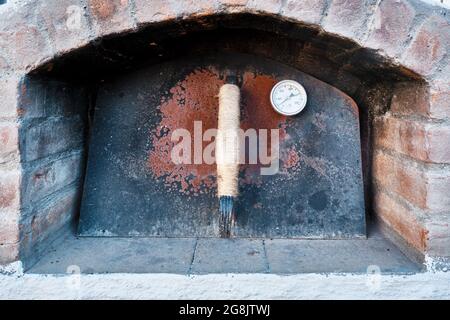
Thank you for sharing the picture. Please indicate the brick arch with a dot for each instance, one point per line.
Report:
(46, 30)
(408, 132)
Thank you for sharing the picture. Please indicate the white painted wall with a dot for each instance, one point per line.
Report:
(429, 285)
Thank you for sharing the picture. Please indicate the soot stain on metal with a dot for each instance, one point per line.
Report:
(318, 200)
(133, 188)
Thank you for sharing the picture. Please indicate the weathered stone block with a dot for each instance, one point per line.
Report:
(438, 186)
(438, 143)
(410, 99)
(9, 96)
(428, 46)
(10, 189)
(348, 17)
(267, 6)
(158, 11)
(438, 236)
(9, 227)
(161, 10)
(401, 219)
(392, 23)
(423, 141)
(9, 141)
(66, 22)
(111, 16)
(401, 178)
(232, 3)
(23, 42)
(439, 102)
(308, 11)
(426, 189)
(9, 253)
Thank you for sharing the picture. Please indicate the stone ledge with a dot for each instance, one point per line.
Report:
(209, 255)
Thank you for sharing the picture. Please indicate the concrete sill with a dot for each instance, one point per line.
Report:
(221, 256)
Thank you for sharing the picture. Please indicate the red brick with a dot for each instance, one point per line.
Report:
(439, 103)
(439, 247)
(438, 144)
(10, 189)
(233, 3)
(348, 17)
(111, 16)
(438, 237)
(423, 141)
(441, 76)
(162, 10)
(392, 23)
(159, 10)
(9, 142)
(4, 61)
(267, 6)
(23, 42)
(308, 11)
(438, 186)
(9, 96)
(401, 178)
(424, 188)
(9, 253)
(429, 46)
(9, 227)
(66, 22)
(410, 99)
(404, 136)
(401, 219)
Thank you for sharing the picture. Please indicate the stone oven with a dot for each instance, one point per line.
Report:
(62, 63)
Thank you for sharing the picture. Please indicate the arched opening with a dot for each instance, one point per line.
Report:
(63, 92)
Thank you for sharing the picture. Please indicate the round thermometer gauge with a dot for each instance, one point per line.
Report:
(288, 97)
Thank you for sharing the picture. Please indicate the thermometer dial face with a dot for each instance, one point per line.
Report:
(288, 97)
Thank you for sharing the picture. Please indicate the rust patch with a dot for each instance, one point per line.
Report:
(103, 9)
(292, 159)
(257, 110)
(257, 113)
(355, 108)
(195, 99)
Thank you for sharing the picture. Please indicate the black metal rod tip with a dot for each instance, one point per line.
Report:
(226, 219)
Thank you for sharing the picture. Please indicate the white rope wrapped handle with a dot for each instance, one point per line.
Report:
(227, 141)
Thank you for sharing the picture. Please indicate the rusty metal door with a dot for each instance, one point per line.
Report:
(133, 188)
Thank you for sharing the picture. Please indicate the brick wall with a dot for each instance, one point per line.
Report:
(411, 171)
(41, 183)
(42, 123)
